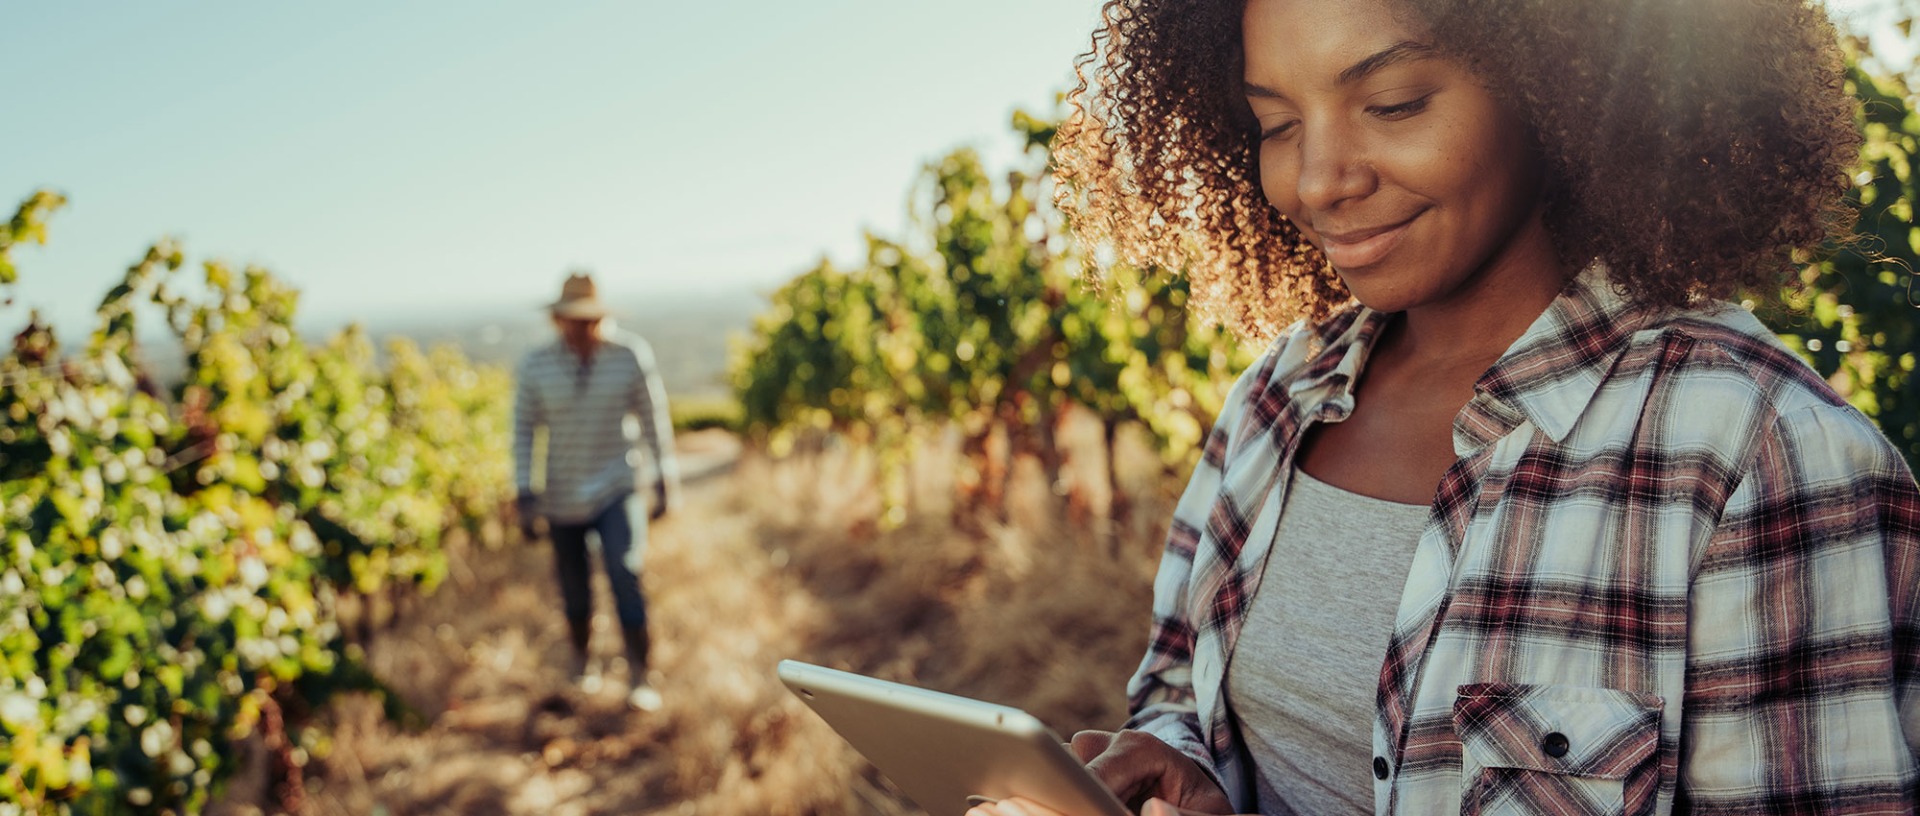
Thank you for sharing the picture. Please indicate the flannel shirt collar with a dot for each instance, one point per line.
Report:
(1337, 352)
(1547, 377)
(1550, 375)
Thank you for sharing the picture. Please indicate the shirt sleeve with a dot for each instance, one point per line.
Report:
(1803, 678)
(527, 416)
(649, 403)
(1161, 695)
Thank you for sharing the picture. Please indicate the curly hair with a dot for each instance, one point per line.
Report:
(1692, 145)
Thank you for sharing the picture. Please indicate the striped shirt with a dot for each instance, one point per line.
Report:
(588, 411)
(1670, 571)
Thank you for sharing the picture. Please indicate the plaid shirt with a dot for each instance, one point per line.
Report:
(1670, 571)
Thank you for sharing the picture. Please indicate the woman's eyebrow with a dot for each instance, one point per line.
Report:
(1262, 92)
(1398, 52)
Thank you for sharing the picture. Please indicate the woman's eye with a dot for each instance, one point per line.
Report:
(1278, 131)
(1402, 110)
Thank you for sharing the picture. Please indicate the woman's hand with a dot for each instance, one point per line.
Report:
(1141, 770)
(1022, 807)
(1138, 766)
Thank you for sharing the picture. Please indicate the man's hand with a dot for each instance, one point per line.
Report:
(527, 507)
(659, 502)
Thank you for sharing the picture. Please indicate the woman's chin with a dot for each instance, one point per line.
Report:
(1380, 295)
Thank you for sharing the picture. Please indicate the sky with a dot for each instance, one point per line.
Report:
(398, 157)
(446, 158)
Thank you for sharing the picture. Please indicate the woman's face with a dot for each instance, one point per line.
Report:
(1414, 181)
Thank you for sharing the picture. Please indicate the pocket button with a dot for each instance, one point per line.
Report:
(1555, 745)
(1379, 768)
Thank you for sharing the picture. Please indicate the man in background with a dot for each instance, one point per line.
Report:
(583, 389)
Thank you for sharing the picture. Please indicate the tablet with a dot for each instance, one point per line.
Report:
(948, 753)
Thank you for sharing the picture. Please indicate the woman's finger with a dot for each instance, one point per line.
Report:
(1160, 807)
(1015, 806)
(1086, 745)
(1136, 766)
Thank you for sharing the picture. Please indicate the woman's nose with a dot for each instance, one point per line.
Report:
(1334, 168)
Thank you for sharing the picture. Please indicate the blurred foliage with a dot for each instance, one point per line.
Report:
(695, 413)
(1856, 315)
(172, 554)
(979, 320)
(28, 225)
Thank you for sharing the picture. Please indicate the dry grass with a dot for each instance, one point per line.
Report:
(766, 561)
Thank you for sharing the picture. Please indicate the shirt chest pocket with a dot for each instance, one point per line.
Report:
(1533, 749)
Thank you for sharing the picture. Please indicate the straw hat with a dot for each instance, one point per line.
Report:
(579, 300)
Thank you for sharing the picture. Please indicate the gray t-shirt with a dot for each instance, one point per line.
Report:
(1304, 670)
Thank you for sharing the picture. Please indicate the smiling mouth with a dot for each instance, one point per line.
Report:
(1354, 249)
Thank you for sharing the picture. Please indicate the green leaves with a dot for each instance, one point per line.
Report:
(1856, 315)
(28, 225)
(164, 571)
(979, 319)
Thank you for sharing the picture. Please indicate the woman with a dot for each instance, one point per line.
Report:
(1520, 517)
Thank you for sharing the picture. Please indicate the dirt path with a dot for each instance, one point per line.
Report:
(760, 562)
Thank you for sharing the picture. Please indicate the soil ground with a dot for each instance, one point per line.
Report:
(759, 561)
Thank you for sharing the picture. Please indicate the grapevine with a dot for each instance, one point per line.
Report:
(174, 554)
(980, 320)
